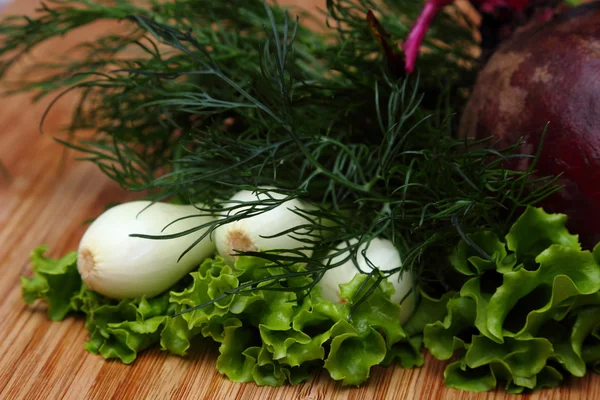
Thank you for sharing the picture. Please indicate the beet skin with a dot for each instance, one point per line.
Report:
(549, 73)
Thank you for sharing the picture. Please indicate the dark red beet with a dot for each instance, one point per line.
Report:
(549, 73)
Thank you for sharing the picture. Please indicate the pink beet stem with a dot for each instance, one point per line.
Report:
(413, 42)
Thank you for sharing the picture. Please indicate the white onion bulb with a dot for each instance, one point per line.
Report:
(382, 254)
(118, 266)
(247, 234)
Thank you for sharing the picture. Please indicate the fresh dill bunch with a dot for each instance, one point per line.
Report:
(196, 100)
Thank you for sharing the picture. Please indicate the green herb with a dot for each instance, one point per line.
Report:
(196, 100)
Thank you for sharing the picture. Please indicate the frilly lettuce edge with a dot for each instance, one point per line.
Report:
(528, 314)
(526, 317)
(269, 337)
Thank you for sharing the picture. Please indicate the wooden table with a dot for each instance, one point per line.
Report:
(46, 201)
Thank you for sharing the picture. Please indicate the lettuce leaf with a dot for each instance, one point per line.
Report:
(55, 281)
(528, 314)
(353, 353)
(526, 317)
(267, 336)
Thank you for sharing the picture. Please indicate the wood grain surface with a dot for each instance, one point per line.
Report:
(47, 201)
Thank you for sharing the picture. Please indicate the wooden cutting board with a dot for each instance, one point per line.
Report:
(47, 200)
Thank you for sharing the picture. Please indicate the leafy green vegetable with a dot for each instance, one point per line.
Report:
(353, 354)
(55, 281)
(529, 312)
(267, 336)
(526, 317)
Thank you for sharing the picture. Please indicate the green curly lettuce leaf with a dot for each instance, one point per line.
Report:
(468, 261)
(122, 329)
(376, 311)
(353, 353)
(564, 273)
(529, 312)
(526, 317)
(176, 336)
(536, 230)
(237, 355)
(278, 343)
(267, 336)
(443, 338)
(55, 281)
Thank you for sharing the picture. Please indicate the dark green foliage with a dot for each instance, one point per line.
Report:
(197, 99)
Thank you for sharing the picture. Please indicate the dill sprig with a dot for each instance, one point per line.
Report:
(198, 99)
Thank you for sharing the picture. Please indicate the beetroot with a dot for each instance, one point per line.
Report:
(549, 73)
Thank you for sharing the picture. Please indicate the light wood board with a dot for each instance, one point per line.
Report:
(47, 202)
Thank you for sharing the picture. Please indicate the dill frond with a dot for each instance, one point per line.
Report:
(198, 99)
